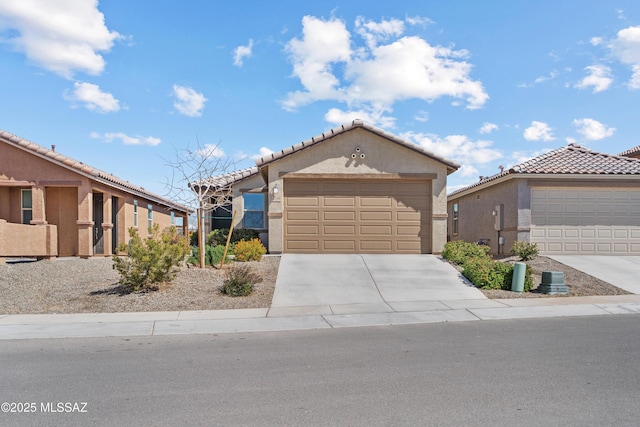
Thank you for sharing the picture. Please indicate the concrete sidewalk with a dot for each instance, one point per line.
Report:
(86, 325)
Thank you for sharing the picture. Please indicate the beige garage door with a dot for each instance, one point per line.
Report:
(357, 216)
(586, 221)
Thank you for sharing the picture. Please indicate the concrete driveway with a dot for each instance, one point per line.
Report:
(369, 283)
(620, 271)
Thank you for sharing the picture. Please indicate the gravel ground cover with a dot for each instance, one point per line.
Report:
(91, 285)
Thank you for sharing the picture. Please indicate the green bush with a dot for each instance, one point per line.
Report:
(458, 251)
(485, 273)
(212, 255)
(150, 261)
(239, 281)
(219, 235)
(251, 250)
(525, 250)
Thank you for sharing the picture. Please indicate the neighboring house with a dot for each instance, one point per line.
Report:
(633, 152)
(52, 205)
(569, 201)
(353, 189)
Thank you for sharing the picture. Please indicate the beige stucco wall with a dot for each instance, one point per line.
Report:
(18, 240)
(334, 156)
(476, 221)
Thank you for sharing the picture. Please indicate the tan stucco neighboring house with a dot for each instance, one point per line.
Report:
(353, 189)
(52, 205)
(571, 200)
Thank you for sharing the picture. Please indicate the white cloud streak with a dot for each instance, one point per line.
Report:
(370, 78)
(93, 98)
(188, 102)
(488, 128)
(592, 129)
(599, 78)
(460, 148)
(626, 49)
(62, 36)
(242, 52)
(538, 131)
(126, 139)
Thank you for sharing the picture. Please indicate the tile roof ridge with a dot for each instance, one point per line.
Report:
(633, 150)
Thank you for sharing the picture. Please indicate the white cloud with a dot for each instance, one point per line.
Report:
(596, 41)
(93, 98)
(518, 157)
(188, 101)
(422, 116)
(126, 139)
(599, 77)
(211, 151)
(62, 36)
(488, 127)
(538, 131)
(460, 148)
(372, 77)
(592, 129)
(242, 52)
(264, 151)
(626, 49)
(337, 116)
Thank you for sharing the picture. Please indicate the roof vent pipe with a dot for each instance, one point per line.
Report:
(53, 148)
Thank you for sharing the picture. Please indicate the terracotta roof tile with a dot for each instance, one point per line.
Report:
(571, 159)
(80, 167)
(228, 178)
(631, 152)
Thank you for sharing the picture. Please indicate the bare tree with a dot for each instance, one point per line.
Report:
(199, 182)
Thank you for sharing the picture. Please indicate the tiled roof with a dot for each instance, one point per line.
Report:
(345, 128)
(631, 152)
(84, 169)
(571, 159)
(228, 178)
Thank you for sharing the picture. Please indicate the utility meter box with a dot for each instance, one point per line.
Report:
(498, 217)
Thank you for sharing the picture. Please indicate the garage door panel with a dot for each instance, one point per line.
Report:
(302, 215)
(339, 215)
(331, 201)
(592, 220)
(358, 216)
(385, 216)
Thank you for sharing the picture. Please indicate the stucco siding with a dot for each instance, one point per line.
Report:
(476, 219)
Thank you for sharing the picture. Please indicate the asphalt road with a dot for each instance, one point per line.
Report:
(560, 371)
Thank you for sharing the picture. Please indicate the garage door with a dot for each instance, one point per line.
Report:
(357, 216)
(586, 221)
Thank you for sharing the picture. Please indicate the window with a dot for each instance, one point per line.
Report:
(27, 207)
(221, 217)
(253, 210)
(173, 218)
(150, 215)
(135, 213)
(455, 219)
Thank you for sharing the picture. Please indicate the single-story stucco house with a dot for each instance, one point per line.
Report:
(571, 200)
(52, 205)
(352, 189)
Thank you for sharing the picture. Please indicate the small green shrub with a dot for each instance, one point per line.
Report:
(525, 250)
(458, 252)
(219, 235)
(485, 273)
(251, 250)
(212, 255)
(239, 281)
(152, 260)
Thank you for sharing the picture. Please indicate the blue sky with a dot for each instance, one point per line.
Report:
(122, 85)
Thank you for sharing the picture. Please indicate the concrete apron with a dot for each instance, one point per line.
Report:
(346, 283)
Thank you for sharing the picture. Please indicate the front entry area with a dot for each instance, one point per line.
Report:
(357, 216)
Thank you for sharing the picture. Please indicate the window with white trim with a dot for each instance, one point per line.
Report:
(27, 206)
(253, 210)
(135, 213)
(173, 218)
(455, 219)
(150, 215)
